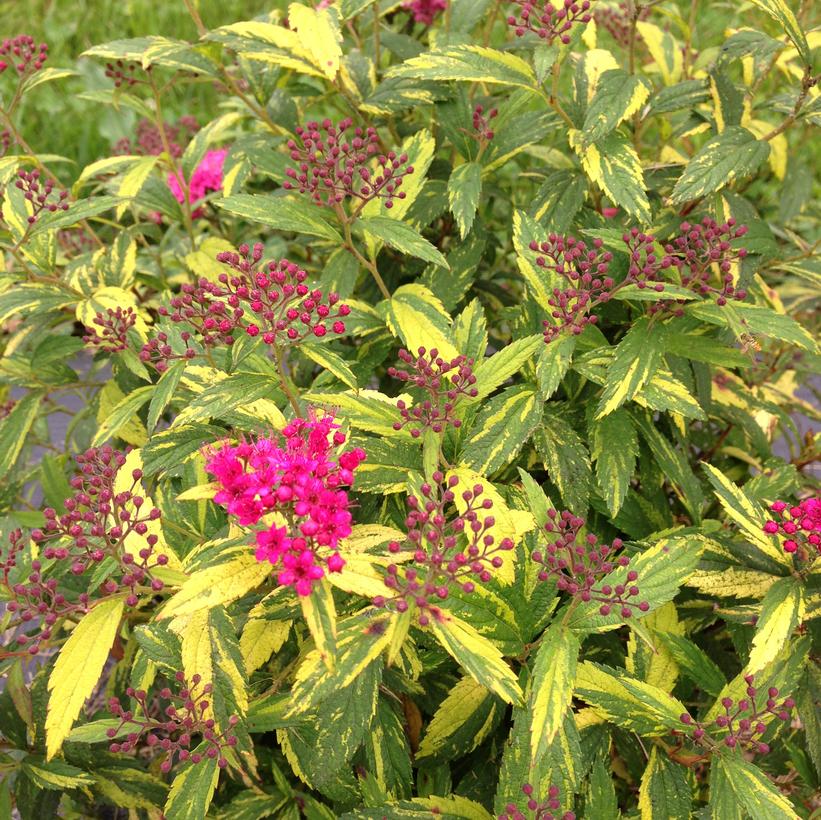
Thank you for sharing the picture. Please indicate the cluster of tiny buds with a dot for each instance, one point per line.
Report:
(578, 567)
(23, 54)
(150, 142)
(482, 132)
(6, 140)
(742, 722)
(546, 809)
(170, 729)
(445, 381)
(97, 522)
(6, 407)
(799, 524)
(111, 331)
(40, 193)
(333, 165)
(447, 549)
(124, 73)
(36, 602)
(618, 21)
(701, 247)
(550, 21)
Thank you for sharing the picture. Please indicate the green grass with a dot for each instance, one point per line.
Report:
(54, 119)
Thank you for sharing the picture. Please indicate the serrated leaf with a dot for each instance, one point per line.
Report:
(618, 96)
(694, 662)
(320, 616)
(318, 32)
(565, 458)
(402, 237)
(726, 158)
(192, 790)
(14, 430)
(751, 788)
(121, 414)
(55, 774)
(417, 317)
(664, 792)
(330, 361)
(77, 212)
(615, 448)
(78, 669)
(553, 363)
(781, 611)
(464, 190)
(663, 49)
(780, 11)
(297, 216)
(495, 370)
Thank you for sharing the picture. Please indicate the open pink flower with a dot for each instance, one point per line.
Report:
(207, 176)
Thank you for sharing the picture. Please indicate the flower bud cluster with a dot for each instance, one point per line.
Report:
(37, 602)
(617, 20)
(541, 809)
(444, 381)
(549, 20)
(799, 525)
(97, 523)
(333, 165)
(742, 724)
(270, 300)
(111, 331)
(6, 140)
(482, 132)
(22, 54)
(448, 547)
(149, 141)
(168, 723)
(6, 407)
(124, 73)
(701, 248)
(579, 566)
(425, 11)
(301, 475)
(40, 193)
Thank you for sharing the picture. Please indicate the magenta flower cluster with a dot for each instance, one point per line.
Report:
(445, 382)
(799, 525)
(334, 165)
(40, 193)
(301, 475)
(741, 726)
(23, 54)
(425, 11)
(269, 300)
(545, 809)
(549, 21)
(579, 566)
(207, 176)
(449, 548)
(36, 602)
(97, 522)
(110, 333)
(482, 132)
(168, 729)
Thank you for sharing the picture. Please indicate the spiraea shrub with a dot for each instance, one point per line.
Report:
(412, 414)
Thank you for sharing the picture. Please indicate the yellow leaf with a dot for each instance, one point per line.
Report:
(596, 62)
(195, 642)
(260, 639)
(78, 668)
(133, 431)
(778, 146)
(217, 585)
(664, 50)
(319, 34)
(104, 298)
(781, 611)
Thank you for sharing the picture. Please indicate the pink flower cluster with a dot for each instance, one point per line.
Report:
(334, 166)
(579, 567)
(270, 300)
(799, 524)
(111, 331)
(443, 381)
(301, 475)
(425, 11)
(550, 21)
(448, 548)
(542, 809)
(168, 730)
(40, 193)
(207, 177)
(741, 724)
(23, 54)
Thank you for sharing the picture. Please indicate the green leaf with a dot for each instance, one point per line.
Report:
(750, 788)
(553, 363)
(615, 448)
(629, 703)
(618, 96)
(293, 215)
(637, 358)
(330, 361)
(476, 64)
(55, 774)
(495, 370)
(77, 211)
(477, 656)
(780, 11)
(463, 720)
(727, 157)
(551, 688)
(417, 317)
(694, 662)
(612, 163)
(164, 392)
(14, 430)
(781, 611)
(387, 751)
(464, 190)
(320, 615)
(501, 429)
(402, 237)
(192, 790)
(601, 799)
(121, 414)
(664, 792)
(565, 458)
(33, 299)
